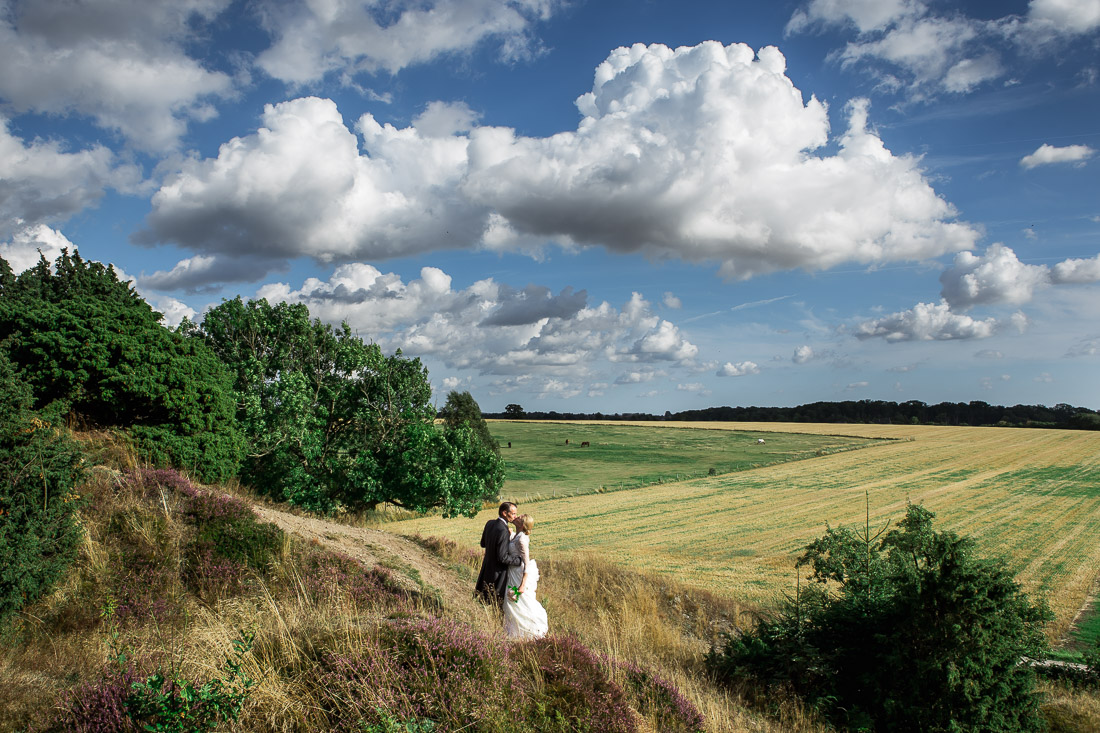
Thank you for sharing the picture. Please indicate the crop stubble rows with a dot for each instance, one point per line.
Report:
(1030, 496)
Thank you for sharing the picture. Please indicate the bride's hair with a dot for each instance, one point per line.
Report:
(526, 524)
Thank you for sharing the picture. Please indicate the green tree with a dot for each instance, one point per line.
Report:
(514, 411)
(39, 468)
(91, 347)
(920, 634)
(462, 409)
(332, 422)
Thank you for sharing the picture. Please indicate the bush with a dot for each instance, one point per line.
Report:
(921, 635)
(40, 467)
(89, 345)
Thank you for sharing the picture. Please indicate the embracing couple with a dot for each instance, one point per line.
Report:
(509, 576)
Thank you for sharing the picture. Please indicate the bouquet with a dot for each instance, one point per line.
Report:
(514, 593)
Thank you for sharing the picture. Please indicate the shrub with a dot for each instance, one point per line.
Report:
(39, 469)
(922, 635)
(90, 345)
(326, 575)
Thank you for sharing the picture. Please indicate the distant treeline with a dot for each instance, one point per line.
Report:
(879, 412)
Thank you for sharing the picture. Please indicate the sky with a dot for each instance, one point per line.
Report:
(590, 205)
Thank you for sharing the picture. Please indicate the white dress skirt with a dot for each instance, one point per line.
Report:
(524, 618)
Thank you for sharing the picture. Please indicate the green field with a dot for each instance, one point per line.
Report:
(540, 464)
(1029, 496)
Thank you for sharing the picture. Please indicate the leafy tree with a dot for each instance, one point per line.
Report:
(513, 411)
(462, 409)
(920, 634)
(90, 346)
(331, 421)
(39, 468)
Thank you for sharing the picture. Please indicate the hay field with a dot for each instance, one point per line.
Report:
(1031, 496)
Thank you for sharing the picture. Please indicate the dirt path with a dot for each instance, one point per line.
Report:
(412, 564)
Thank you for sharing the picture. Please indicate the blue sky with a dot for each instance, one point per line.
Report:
(582, 206)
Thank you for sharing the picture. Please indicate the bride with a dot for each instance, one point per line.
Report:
(524, 616)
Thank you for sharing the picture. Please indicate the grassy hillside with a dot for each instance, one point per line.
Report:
(1031, 496)
(185, 592)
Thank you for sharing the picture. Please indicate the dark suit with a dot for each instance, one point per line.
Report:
(493, 579)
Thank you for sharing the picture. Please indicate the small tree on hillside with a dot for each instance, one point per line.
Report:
(514, 411)
(921, 634)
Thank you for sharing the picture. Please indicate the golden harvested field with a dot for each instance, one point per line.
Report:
(1031, 496)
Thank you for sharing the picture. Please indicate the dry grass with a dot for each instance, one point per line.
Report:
(1031, 496)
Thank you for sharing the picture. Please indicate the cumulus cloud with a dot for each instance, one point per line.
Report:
(491, 327)
(1048, 154)
(802, 354)
(634, 377)
(1063, 17)
(1088, 346)
(41, 183)
(997, 276)
(926, 322)
(989, 354)
(312, 39)
(864, 15)
(694, 387)
(740, 369)
(671, 301)
(122, 63)
(705, 153)
(28, 244)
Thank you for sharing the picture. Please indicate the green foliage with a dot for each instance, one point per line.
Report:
(514, 411)
(462, 409)
(331, 421)
(392, 724)
(39, 468)
(89, 345)
(920, 635)
(167, 703)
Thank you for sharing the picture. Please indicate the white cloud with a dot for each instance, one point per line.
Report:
(1076, 271)
(491, 327)
(122, 63)
(42, 183)
(907, 45)
(802, 354)
(707, 154)
(989, 354)
(1044, 378)
(740, 369)
(695, 388)
(857, 386)
(23, 251)
(926, 322)
(313, 38)
(634, 377)
(995, 277)
(671, 301)
(1048, 154)
(1067, 17)
(865, 15)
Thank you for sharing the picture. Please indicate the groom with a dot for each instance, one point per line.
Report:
(493, 580)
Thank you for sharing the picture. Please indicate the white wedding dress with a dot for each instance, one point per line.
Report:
(524, 618)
